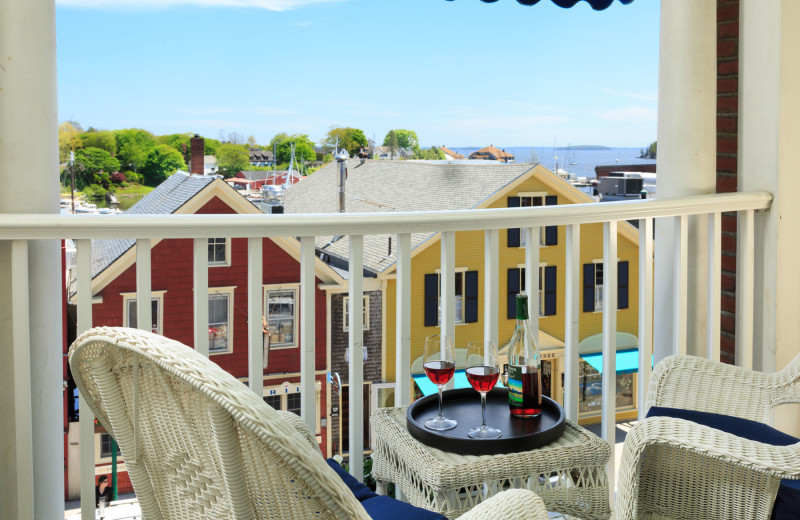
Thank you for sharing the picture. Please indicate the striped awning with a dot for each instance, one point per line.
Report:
(597, 5)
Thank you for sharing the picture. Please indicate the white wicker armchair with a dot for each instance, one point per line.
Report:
(199, 444)
(679, 469)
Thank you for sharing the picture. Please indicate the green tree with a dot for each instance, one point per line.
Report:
(232, 159)
(68, 140)
(92, 166)
(652, 150)
(103, 139)
(405, 139)
(351, 139)
(303, 149)
(133, 145)
(432, 153)
(161, 162)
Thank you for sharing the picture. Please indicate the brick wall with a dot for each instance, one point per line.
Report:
(197, 155)
(727, 148)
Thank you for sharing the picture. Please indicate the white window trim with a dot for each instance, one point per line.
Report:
(229, 292)
(463, 295)
(154, 295)
(98, 459)
(280, 287)
(284, 389)
(598, 307)
(227, 261)
(542, 265)
(346, 316)
(524, 231)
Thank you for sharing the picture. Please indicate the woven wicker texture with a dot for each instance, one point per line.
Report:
(198, 444)
(568, 474)
(677, 469)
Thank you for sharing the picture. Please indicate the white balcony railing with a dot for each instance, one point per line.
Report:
(22, 228)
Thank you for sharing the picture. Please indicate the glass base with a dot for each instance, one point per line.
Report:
(484, 432)
(440, 423)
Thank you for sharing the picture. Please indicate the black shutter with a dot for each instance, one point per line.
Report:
(550, 290)
(431, 300)
(513, 289)
(588, 287)
(471, 297)
(622, 285)
(513, 234)
(551, 232)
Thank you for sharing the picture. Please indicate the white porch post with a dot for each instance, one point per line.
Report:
(31, 470)
(687, 87)
(769, 133)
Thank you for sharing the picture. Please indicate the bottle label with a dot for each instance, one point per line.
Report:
(515, 385)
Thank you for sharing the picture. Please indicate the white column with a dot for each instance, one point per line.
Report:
(29, 145)
(769, 132)
(687, 89)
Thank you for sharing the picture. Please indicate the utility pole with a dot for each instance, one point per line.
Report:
(72, 177)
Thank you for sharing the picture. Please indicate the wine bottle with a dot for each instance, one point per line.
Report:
(524, 366)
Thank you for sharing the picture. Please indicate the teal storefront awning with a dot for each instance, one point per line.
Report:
(627, 361)
(459, 381)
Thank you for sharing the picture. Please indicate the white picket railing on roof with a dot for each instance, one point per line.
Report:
(145, 228)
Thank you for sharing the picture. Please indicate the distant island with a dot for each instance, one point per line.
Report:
(584, 147)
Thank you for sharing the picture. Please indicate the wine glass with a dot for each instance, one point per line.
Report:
(482, 374)
(439, 365)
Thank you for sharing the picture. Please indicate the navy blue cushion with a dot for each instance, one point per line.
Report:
(386, 508)
(787, 503)
(360, 491)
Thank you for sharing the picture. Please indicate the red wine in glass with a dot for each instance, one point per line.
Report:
(482, 378)
(439, 372)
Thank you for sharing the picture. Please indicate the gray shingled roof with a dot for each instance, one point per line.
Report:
(397, 186)
(170, 195)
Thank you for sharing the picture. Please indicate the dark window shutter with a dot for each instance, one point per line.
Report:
(588, 287)
(622, 285)
(431, 300)
(551, 232)
(550, 290)
(513, 234)
(471, 297)
(513, 289)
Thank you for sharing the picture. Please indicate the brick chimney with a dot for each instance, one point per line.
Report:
(197, 147)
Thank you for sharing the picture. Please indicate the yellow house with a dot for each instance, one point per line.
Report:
(406, 186)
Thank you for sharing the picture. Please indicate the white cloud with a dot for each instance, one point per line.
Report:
(629, 114)
(270, 5)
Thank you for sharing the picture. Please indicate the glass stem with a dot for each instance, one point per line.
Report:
(440, 402)
(483, 410)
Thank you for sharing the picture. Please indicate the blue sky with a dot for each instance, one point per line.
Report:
(459, 73)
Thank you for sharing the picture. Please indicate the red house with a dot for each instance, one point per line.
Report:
(114, 291)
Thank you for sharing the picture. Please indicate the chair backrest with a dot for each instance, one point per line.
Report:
(196, 442)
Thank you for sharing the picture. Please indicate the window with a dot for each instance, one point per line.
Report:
(346, 313)
(281, 317)
(593, 286)
(549, 236)
(220, 329)
(105, 446)
(130, 314)
(273, 400)
(287, 397)
(466, 297)
(547, 290)
(293, 403)
(218, 251)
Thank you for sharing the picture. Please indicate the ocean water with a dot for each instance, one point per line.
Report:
(580, 163)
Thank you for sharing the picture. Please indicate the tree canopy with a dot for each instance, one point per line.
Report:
(68, 140)
(232, 159)
(103, 139)
(651, 151)
(303, 148)
(92, 166)
(429, 153)
(351, 139)
(405, 139)
(133, 145)
(161, 162)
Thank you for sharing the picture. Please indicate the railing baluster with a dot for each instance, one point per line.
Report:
(83, 273)
(447, 295)
(745, 288)
(256, 339)
(402, 394)
(609, 380)
(681, 284)
(491, 285)
(572, 320)
(308, 396)
(645, 311)
(532, 277)
(714, 281)
(200, 281)
(356, 369)
(21, 340)
(144, 314)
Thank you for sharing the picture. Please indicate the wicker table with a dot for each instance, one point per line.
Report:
(569, 473)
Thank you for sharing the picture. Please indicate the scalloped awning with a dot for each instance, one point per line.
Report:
(597, 5)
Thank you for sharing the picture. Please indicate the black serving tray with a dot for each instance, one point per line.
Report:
(464, 405)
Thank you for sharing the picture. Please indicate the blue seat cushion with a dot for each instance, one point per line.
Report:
(360, 491)
(787, 503)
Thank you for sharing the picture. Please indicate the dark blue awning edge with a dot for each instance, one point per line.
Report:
(597, 5)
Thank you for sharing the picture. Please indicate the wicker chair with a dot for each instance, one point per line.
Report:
(681, 469)
(199, 444)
